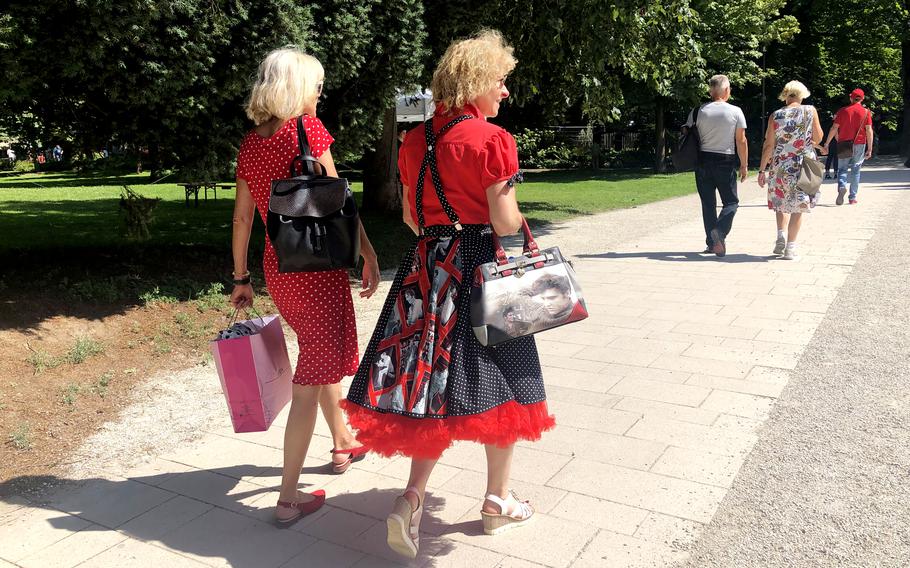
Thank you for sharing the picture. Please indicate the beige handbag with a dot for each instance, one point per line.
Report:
(811, 170)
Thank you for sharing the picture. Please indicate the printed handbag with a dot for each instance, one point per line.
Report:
(810, 170)
(686, 156)
(514, 297)
(312, 221)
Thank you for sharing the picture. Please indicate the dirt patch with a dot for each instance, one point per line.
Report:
(64, 379)
(77, 341)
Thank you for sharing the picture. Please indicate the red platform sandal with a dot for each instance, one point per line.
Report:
(354, 455)
(299, 509)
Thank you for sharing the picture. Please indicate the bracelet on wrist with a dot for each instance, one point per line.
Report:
(241, 281)
(243, 274)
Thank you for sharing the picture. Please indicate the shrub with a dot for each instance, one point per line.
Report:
(21, 437)
(107, 290)
(156, 296)
(84, 348)
(99, 387)
(70, 392)
(24, 166)
(211, 298)
(541, 148)
(41, 360)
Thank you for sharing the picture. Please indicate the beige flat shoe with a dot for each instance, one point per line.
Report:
(512, 514)
(403, 525)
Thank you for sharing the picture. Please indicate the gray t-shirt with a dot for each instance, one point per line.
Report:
(717, 124)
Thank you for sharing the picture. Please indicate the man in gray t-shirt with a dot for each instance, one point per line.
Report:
(722, 129)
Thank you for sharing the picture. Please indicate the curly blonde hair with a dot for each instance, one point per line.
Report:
(468, 68)
(286, 84)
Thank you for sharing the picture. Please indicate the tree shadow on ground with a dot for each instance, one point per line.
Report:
(201, 513)
(685, 256)
(57, 180)
(89, 283)
(569, 176)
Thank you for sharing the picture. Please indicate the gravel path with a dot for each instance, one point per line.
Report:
(828, 483)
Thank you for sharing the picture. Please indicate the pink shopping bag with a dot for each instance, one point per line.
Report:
(255, 374)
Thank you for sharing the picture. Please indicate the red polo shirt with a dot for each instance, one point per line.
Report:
(471, 156)
(851, 121)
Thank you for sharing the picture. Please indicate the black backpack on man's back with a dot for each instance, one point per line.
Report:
(686, 156)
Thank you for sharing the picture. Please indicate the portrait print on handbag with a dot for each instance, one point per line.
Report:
(514, 297)
(533, 302)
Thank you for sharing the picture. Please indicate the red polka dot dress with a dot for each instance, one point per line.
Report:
(317, 305)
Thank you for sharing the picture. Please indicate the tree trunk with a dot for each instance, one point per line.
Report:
(905, 68)
(660, 132)
(380, 180)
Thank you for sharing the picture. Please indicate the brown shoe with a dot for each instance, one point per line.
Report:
(841, 192)
(719, 247)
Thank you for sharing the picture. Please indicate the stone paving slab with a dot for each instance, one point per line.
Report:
(659, 396)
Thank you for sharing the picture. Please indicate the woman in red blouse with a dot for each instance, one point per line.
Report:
(425, 380)
(317, 305)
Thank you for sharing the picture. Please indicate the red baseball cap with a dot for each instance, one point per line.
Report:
(857, 94)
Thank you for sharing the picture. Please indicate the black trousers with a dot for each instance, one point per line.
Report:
(716, 173)
(831, 160)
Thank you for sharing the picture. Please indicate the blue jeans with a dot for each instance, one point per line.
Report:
(853, 164)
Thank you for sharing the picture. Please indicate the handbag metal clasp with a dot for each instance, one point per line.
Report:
(520, 267)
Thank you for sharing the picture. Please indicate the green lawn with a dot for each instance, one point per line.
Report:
(69, 211)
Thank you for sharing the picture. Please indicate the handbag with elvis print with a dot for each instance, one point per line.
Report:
(534, 292)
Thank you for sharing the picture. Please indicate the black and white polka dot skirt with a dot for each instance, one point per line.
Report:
(425, 380)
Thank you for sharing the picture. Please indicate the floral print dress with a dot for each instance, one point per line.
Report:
(793, 140)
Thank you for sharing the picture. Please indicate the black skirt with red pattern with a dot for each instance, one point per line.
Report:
(425, 381)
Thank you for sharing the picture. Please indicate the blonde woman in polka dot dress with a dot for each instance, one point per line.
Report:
(317, 305)
(425, 381)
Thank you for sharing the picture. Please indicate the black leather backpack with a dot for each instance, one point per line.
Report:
(312, 220)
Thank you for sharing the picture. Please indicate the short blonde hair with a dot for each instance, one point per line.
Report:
(285, 85)
(469, 66)
(793, 90)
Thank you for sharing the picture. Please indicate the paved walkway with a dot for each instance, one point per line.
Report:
(660, 396)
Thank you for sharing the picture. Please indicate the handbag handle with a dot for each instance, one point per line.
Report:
(862, 125)
(530, 245)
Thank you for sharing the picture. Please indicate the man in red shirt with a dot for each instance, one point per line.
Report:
(852, 124)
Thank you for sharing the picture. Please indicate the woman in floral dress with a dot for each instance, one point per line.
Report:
(792, 133)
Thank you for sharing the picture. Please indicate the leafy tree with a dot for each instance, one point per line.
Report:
(371, 49)
(168, 76)
(172, 76)
(855, 44)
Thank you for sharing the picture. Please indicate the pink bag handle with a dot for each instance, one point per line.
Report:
(530, 245)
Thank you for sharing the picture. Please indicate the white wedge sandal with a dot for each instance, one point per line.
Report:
(512, 514)
(404, 524)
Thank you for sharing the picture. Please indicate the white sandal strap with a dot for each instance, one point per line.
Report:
(520, 509)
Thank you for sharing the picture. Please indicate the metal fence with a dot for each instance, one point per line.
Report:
(585, 136)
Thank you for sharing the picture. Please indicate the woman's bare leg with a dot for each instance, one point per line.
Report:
(297, 436)
(796, 221)
(499, 469)
(342, 438)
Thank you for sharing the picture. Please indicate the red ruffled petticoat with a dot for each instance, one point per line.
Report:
(388, 434)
